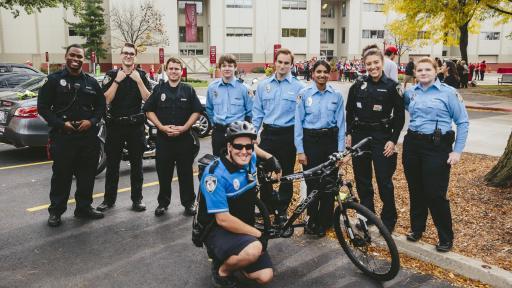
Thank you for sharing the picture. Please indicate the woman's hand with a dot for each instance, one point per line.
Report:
(302, 158)
(389, 149)
(453, 158)
(348, 141)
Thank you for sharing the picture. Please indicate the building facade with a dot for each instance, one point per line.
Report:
(246, 28)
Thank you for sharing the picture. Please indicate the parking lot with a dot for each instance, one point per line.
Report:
(131, 249)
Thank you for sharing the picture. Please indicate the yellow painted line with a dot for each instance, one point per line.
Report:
(99, 194)
(25, 165)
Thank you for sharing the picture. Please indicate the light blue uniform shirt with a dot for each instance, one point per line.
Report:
(275, 101)
(319, 110)
(228, 102)
(439, 104)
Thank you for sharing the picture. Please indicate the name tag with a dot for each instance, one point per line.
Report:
(183, 99)
(382, 90)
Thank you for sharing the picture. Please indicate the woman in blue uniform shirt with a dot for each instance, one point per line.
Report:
(428, 154)
(319, 132)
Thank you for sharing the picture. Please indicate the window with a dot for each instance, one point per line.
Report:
(373, 34)
(344, 8)
(490, 35)
(423, 35)
(239, 3)
(72, 32)
(199, 6)
(373, 7)
(326, 54)
(191, 52)
(327, 36)
(294, 4)
(182, 31)
(243, 57)
(238, 32)
(328, 11)
(342, 34)
(293, 32)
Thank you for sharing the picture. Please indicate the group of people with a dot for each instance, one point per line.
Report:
(294, 123)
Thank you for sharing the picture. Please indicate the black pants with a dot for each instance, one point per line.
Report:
(117, 136)
(218, 139)
(384, 169)
(317, 150)
(482, 73)
(170, 152)
(73, 155)
(279, 143)
(427, 175)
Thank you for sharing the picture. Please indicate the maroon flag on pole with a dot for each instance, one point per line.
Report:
(191, 23)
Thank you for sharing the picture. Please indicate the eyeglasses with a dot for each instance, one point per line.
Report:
(131, 54)
(248, 147)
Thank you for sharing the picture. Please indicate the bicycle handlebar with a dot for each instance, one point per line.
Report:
(333, 159)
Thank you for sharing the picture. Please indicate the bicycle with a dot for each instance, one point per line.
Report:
(350, 219)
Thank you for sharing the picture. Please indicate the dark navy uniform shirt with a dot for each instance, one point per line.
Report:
(374, 102)
(128, 100)
(57, 103)
(173, 105)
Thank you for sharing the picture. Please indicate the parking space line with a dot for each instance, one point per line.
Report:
(99, 194)
(25, 165)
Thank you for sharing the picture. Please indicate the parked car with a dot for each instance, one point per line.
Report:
(10, 80)
(7, 68)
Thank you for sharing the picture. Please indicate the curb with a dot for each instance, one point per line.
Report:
(469, 267)
(498, 109)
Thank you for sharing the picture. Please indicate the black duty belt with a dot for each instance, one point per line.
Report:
(373, 126)
(127, 120)
(448, 137)
(277, 129)
(321, 132)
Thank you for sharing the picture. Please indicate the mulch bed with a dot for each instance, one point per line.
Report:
(482, 220)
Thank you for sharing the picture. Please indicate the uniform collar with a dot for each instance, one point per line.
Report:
(437, 84)
(328, 87)
(230, 166)
(232, 82)
(65, 72)
(287, 78)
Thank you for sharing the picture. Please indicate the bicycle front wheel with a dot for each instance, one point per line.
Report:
(370, 247)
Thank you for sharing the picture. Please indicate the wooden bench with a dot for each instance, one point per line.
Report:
(505, 78)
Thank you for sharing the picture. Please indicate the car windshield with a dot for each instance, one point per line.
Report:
(32, 84)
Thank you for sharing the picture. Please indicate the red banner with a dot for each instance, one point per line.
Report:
(213, 54)
(93, 57)
(276, 47)
(161, 55)
(191, 23)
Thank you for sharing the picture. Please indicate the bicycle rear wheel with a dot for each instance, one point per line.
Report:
(262, 217)
(372, 248)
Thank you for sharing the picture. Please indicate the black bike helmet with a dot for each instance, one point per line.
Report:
(240, 128)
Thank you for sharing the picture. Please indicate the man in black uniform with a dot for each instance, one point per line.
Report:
(125, 89)
(375, 109)
(174, 107)
(72, 103)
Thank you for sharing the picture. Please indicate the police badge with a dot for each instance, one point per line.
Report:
(363, 86)
(268, 88)
(309, 101)
(299, 98)
(215, 94)
(210, 183)
(236, 184)
(162, 97)
(63, 82)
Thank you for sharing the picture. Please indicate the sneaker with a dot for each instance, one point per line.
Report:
(221, 281)
(104, 206)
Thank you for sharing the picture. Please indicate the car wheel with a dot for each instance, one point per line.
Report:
(102, 162)
(203, 126)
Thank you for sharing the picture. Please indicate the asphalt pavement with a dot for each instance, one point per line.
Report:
(131, 249)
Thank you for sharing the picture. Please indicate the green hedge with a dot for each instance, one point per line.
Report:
(258, 70)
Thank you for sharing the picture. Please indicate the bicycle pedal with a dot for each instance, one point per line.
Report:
(287, 233)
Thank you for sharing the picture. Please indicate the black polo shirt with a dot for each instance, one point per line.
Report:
(65, 97)
(128, 100)
(173, 105)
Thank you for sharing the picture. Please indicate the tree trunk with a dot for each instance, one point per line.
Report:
(501, 174)
(463, 41)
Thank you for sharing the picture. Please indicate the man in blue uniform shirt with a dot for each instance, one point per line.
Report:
(274, 109)
(227, 101)
(228, 194)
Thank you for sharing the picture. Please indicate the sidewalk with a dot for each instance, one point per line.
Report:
(485, 102)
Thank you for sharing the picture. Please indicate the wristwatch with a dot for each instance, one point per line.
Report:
(117, 82)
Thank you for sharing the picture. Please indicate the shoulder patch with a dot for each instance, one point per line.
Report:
(210, 183)
(106, 79)
(459, 96)
(400, 90)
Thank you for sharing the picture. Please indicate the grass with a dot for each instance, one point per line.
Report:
(494, 90)
(202, 84)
